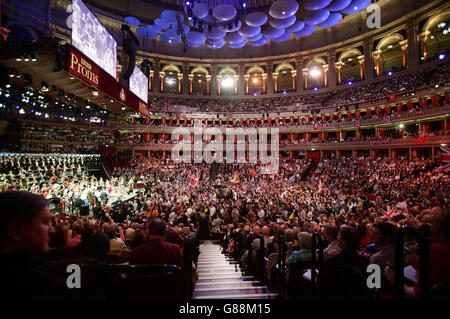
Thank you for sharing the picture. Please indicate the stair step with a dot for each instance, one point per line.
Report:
(253, 296)
(218, 279)
(225, 284)
(229, 291)
(220, 274)
(215, 263)
(219, 271)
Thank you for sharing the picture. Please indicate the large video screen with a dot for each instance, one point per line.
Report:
(139, 84)
(92, 39)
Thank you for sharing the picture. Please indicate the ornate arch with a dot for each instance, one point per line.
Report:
(171, 67)
(199, 69)
(393, 38)
(255, 69)
(315, 61)
(227, 70)
(284, 65)
(349, 53)
(437, 18)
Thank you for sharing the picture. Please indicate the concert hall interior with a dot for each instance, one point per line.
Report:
(225, 149)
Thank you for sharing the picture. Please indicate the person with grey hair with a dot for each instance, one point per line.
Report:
(304, 253)
(330, 234)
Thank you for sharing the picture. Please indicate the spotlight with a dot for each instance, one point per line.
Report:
(123, 108)
(95, 93)
(255, 80)
(227, 82)
(390, 73)
(315, 89)
(19, 58)
(401, 125)
(244, 4)
(27, 58)
(441, 56)
(314, 72)
(33, 57)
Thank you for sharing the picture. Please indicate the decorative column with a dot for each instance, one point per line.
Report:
(241, 83)
(246, 77)
(332, 66)
(338, 67)
(404, 46)
(423, 38)
(150, 80)
(187, 82)
(264, 77)
(156, 78)
(208, 84)
(180, 80)
(275, 77)
(161, 80)
(305, 75)
(361, 66)
(325, 73)
(369, 61)
(269, 78)
(376, 56)
(413, 44)
(299, 68)
(294, 75)
(191, 78)
(236, 84)
(219, 78)
(213, 81)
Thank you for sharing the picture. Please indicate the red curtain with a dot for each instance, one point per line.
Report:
(349, 115)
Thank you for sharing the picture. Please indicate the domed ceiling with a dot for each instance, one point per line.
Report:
(239, 23)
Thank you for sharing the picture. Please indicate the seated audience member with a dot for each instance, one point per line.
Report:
(304, 253)
(384, 237)
(97, 246)
(344, 275)
(157, 250)
(25, 229)
(116, 244)
(138, 239)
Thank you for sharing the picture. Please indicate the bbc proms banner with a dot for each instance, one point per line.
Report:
(86, 70)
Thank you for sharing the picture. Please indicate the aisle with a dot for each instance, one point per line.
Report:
(221, 278)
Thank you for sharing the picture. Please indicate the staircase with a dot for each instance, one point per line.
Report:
(220, 277)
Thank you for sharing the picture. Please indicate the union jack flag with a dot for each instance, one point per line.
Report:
(445, 158)
(358, 123)
(389, 212)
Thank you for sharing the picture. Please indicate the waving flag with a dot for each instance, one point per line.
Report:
(235, 179)
(245, 188)
(252, 173)
(193, 180)
(389, 213)
(291, 179)
(401, 205)
(445, 158)
(358, 123)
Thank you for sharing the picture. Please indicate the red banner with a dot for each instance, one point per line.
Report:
(86, 70)
(420, 140)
